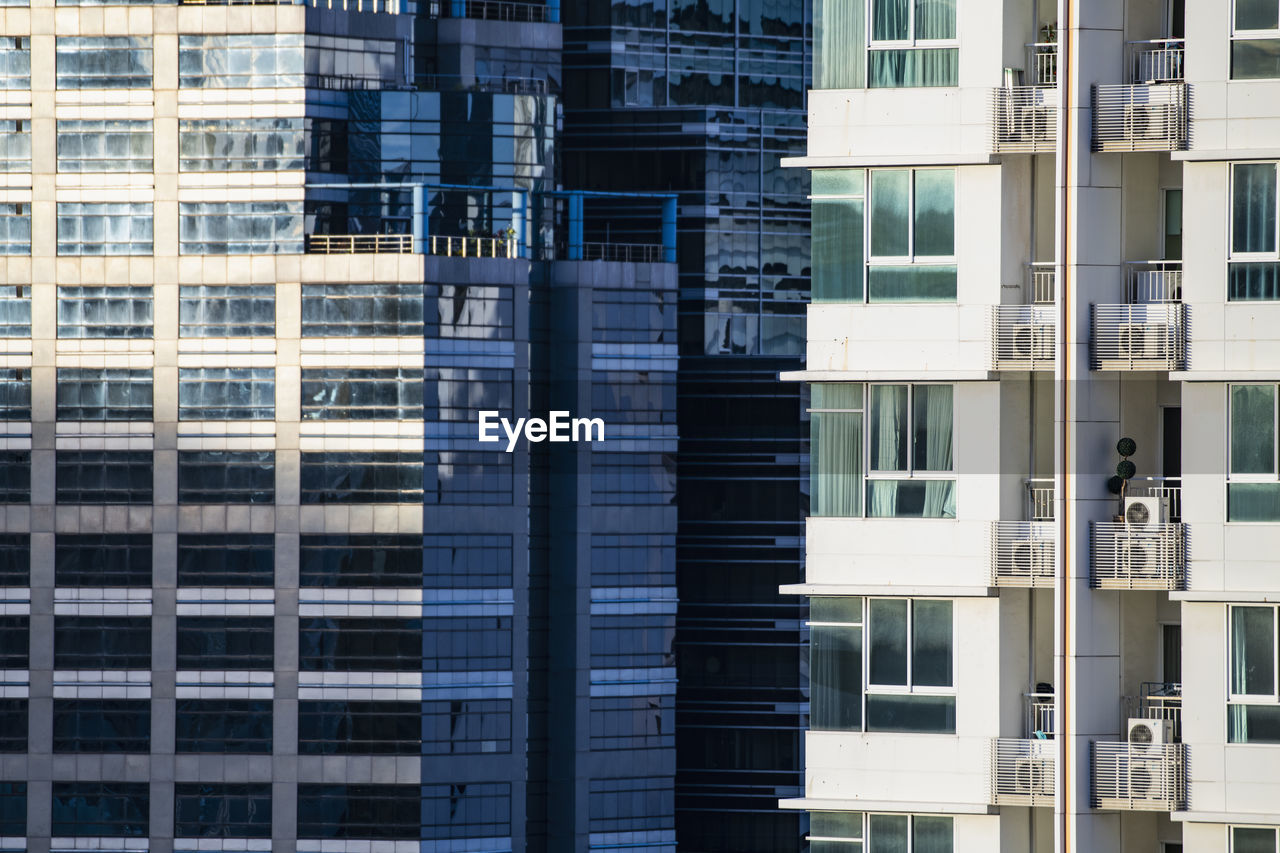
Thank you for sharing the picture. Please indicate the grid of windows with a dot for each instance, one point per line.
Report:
(632, 478)
(359, 811)
(471, 810)
(631, 805)
(15, 62)
(111, 809)
(1255, 40)
(362, 310)
(262, 61)
(15, 143)
(361, 645)
(104, 228)
(471, 311)
(15, 310)
(15, 559)
(102, 560)
(101, 725)
(361, 478)
(240, 228)
(15, 641)
(13, 808)
(241, 144)
(640, 640)
(632, 722)
(103, 476)
(225, 642)
(855, 832)
(15, 228)
(359, 728)
(98, 62)
(221, 810)
(359, 560)
(104, 394)
(13, 733)
(632, 560)
(15, 393)
(466, 562)
(457, 393)
(226, 393)
(238, 726)
(15, 485)
(226, 311)
(466, 726)
(231, 559)
(467, 643)
(361, 393)
(104, 145)
(104, 312)
(226, 476)
(102, 642)
(468, 478)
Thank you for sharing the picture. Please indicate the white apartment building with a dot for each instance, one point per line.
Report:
(1040, 229)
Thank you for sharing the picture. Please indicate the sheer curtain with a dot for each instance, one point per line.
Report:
(836, 678)
(1253, 208)
(888, 445)
(935, 19)
(840, 52)
(934, 408)
(836, 447)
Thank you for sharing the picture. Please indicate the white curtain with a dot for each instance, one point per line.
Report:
(934, 404)
(889, 409)
(840, 50)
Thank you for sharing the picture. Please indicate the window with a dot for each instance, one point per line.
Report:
(908, 456)
(858, 832)
(1253, 486)
(104, 228)
(226, 311)
(101, 725)
(906, 671)
(241, 144)
(360, 728)
(457, 393)
(1255, 40)
(1253, 268)
(632, 722)
(470, 810)
(111, 809)
(1253, 710)
(15, 393)
(102, 642)
(360, 561)
(908, 44)
(15, 62)
(240, 61)
(634, 640)
(838, 209)
(467, 643)
(233, 559)
(360, 645)
(240, 726)
(106, 145)
(102, 560)
(362, 311)
(359, 811)
(362, 393)
(15, 486)
(15, 140)
(225, 642)
(466, 726)
(484, 478)
(468, 562)
(483, 312)
(95, 62)
(240, 228)
(103, 477)
(226, 393)
(15, 641)
(15, 559)
(15, 228)
(1253, 839)
(361, 478)
(635, 804)
(226, 476)
(221, 811)
(104, 312)
(13, 738)
(13, 805)
(15, 311)
(103, 394)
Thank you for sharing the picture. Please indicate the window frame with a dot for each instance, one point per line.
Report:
(1231, 835)
(1244, 35)
(874, 45)
(863, 843)
(1232, 254)
(1234, 478)
(1273, 698)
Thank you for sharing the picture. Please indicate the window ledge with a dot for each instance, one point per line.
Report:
(914, 590)
(923, 375)
(1226, 595)
(814, 804)
(1251, 818)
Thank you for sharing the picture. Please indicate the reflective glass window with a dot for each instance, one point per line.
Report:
(362, 310)
(15, 486)
(110, 809)
(373, 477)
(359, 561)
(106, 145)
(359, 811)
(363, 645)
(102, 559)
(15, 228)
(104, 394)
(226, 559)
(15, 393)
(226, 311)
(15, 559)
(226, 476)
(226, 393)
(362, 393)
(102, 725)
(257, 61)
(102, 642)
(241, 726)
(104, 62)
(240, 228)
(225, 642)
(104, 228)
(103, 476)
(241, 144)
(205, 810)
(360, 728)
(15, 138)
(104, 312)
(15, 641)
(15, 59)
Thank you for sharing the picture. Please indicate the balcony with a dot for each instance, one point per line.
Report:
(473, 247)
(1156, 700)
(1024, 337)
(1149, 331)
(1023, 771)
(1024, 553)
(1151, 111)
(1139, 777)
(1040, 714)
(359, 244)
(1024, 116)
(1147, 556)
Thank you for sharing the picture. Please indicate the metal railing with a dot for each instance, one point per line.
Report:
(642, 253)
(1153, 281)
(1139, 337)
(1044, 281)
(1040, 715)
(1140, 117)
(481, 83)
(1156, 700)
(1135, 777)
(1156, 60)
(1148, 556)
(1042, 64)
(472, 247)
(1024, 119)
(1023, 553)
(500, 10)
(1023, 337)
(1167, 489)
(1040, 492)
(1023, 772)
(359, 244)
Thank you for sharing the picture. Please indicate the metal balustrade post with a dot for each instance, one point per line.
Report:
(669, 230)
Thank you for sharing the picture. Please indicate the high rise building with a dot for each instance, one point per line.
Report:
(1040, 554)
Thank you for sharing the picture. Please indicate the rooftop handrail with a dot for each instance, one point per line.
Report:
(472, 247)
(359, 244)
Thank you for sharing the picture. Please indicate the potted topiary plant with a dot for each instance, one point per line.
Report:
(1125, 469)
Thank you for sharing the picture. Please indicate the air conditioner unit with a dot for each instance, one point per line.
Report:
(1139, 557)
(1031, 558)
(1148, 734)
(1033, 776)
(1149, 780)
(1145, 511)
(1145, 121)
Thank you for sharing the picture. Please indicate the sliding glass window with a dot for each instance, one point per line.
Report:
(1255, 40)
(1253, 266)
(838, 211)
(860, 832)
(1253, 686)
(909, 44)
(1253, 487)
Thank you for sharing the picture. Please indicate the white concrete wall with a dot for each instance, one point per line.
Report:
(1225, 113)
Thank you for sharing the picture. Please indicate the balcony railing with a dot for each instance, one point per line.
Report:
(501, 10)
(1023, 772)
(1156, 700)
(359, 244)
(472, 247)
(1167, 489)
(1042, 64)
(632, 253)
(1023, 337)
(1137, 777)
(1044, 282)
(1148, 556)
(1156, 61)
(1148, 336)
(1023, 553)
(1024, 119)
(1153, 281)
(1040, 715)
(1140, 117)
(1040, 492)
